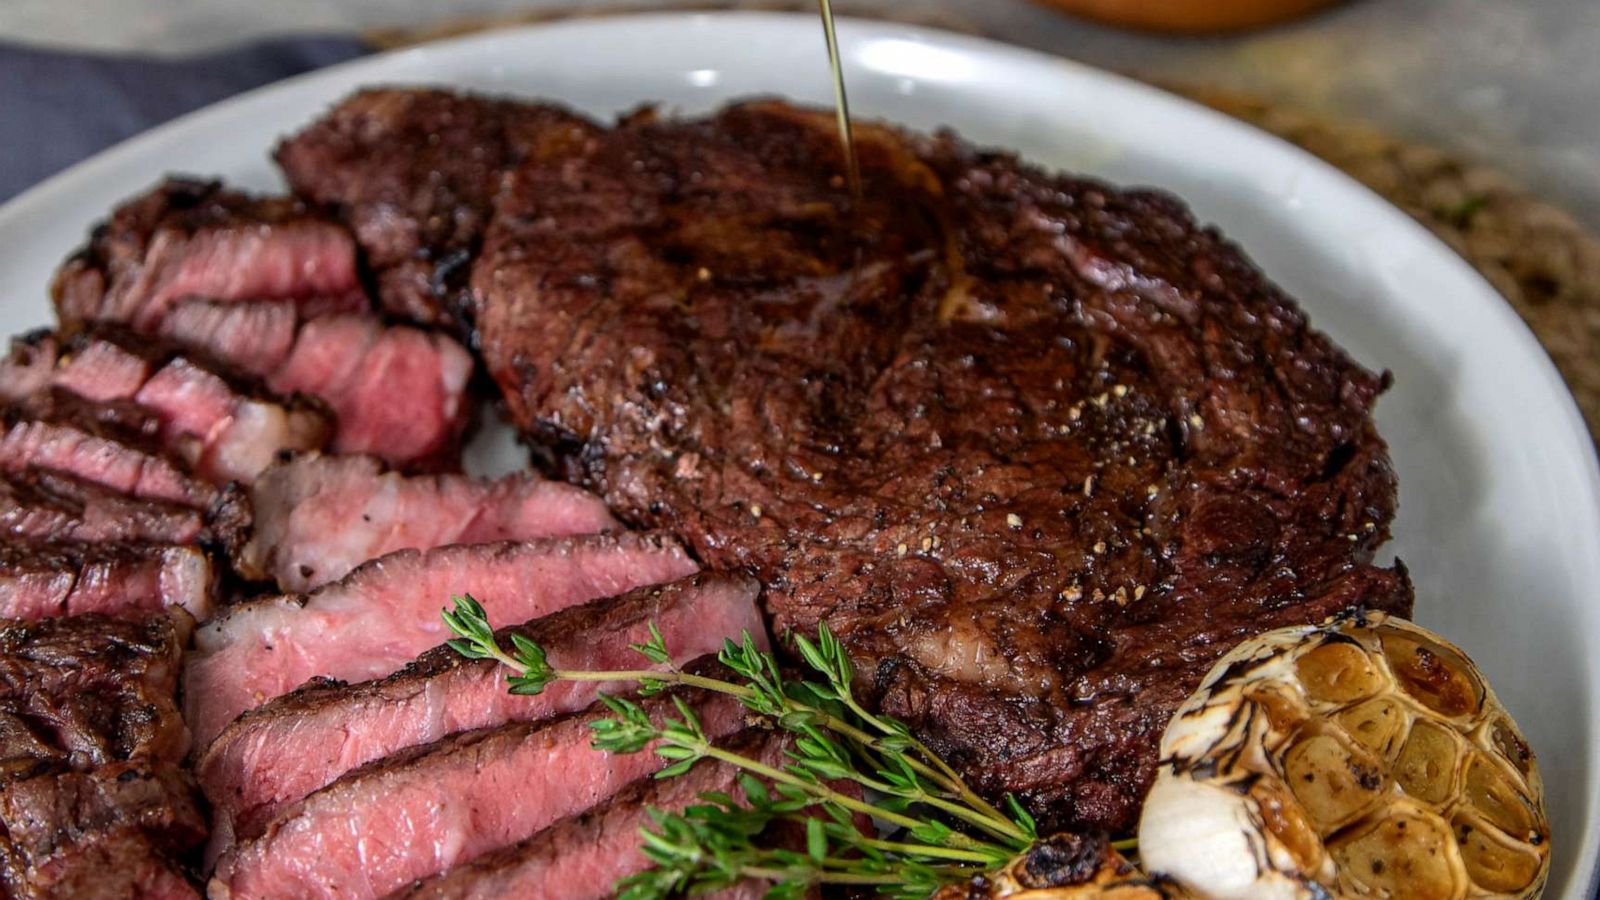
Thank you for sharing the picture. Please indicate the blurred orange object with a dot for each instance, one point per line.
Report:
(1190, 16)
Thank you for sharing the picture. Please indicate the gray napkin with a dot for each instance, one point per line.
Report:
(59, 107)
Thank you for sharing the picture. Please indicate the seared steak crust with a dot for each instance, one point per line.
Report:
(93, 801)
(1038, 448)
(414, 173)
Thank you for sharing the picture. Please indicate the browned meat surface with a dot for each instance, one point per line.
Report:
(42, 580)
(414, 172)
(582, 856)
(190, 238)
(88, 691)
(1038, 448)
(221, 424)
(379, 617)
(276, 755)
(112, 833)
(317, 517)
(420, 812)
(93, 801)
(41, 505)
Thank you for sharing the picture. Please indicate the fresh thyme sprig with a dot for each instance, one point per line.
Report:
(938, 831)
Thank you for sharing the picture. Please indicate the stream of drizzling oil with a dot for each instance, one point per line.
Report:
(841, 104)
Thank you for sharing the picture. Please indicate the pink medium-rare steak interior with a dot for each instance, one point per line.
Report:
(416, 814)
(380, 616)
(399, 393)
(319, 516)
(197, 239)
(224, 426)
(40, 580)
(41, 505)
(582, 856)
(29, 444)
(297, 743)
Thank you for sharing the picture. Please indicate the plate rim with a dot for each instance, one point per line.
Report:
(61, 186)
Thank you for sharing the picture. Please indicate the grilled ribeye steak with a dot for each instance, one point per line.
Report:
(1039, 449)
(414, 173)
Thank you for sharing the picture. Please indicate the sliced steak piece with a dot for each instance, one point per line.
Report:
(88, 691)
(317, 517)
(583, 856)
(224, 425)
(188, 238)
(30, 366)
(419, 812)
(42, 505)
(414, 173)
(399, 393)
(300, 742)
(98, 449)
(41, 580)
(112, 832)
(1023, 440)
(255, 337)
(379, 617)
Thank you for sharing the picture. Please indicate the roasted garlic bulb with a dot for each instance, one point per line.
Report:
(1065, 867)
(1365, 757)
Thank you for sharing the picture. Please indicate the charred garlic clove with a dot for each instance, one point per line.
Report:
(1065, 867)
(1364, 757)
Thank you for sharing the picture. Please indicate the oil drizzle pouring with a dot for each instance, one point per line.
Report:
(841, 104)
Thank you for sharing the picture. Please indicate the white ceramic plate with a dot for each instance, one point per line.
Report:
(1500, 503)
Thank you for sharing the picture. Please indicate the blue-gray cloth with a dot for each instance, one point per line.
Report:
(59, 107)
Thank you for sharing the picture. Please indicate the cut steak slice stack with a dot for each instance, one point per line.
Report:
(47, 579)
(414, 173)
(292, 746)
(93, 802)
(420, 812)
(50, 506)
(379, 617)
(221, 425)
(317, 517)
(582, 856)
(268, 286)
(189, 238)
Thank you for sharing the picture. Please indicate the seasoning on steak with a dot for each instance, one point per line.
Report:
(189, 238)
(380, 616)
(93, 802)
(582, 856)
(224, 426)
(300, 742)
(44, 579)
(419, 812)
(317, 517)
(43, 505)
(414, 172)
(1037, 448)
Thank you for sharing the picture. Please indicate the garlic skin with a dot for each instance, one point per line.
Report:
(1363, 757)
